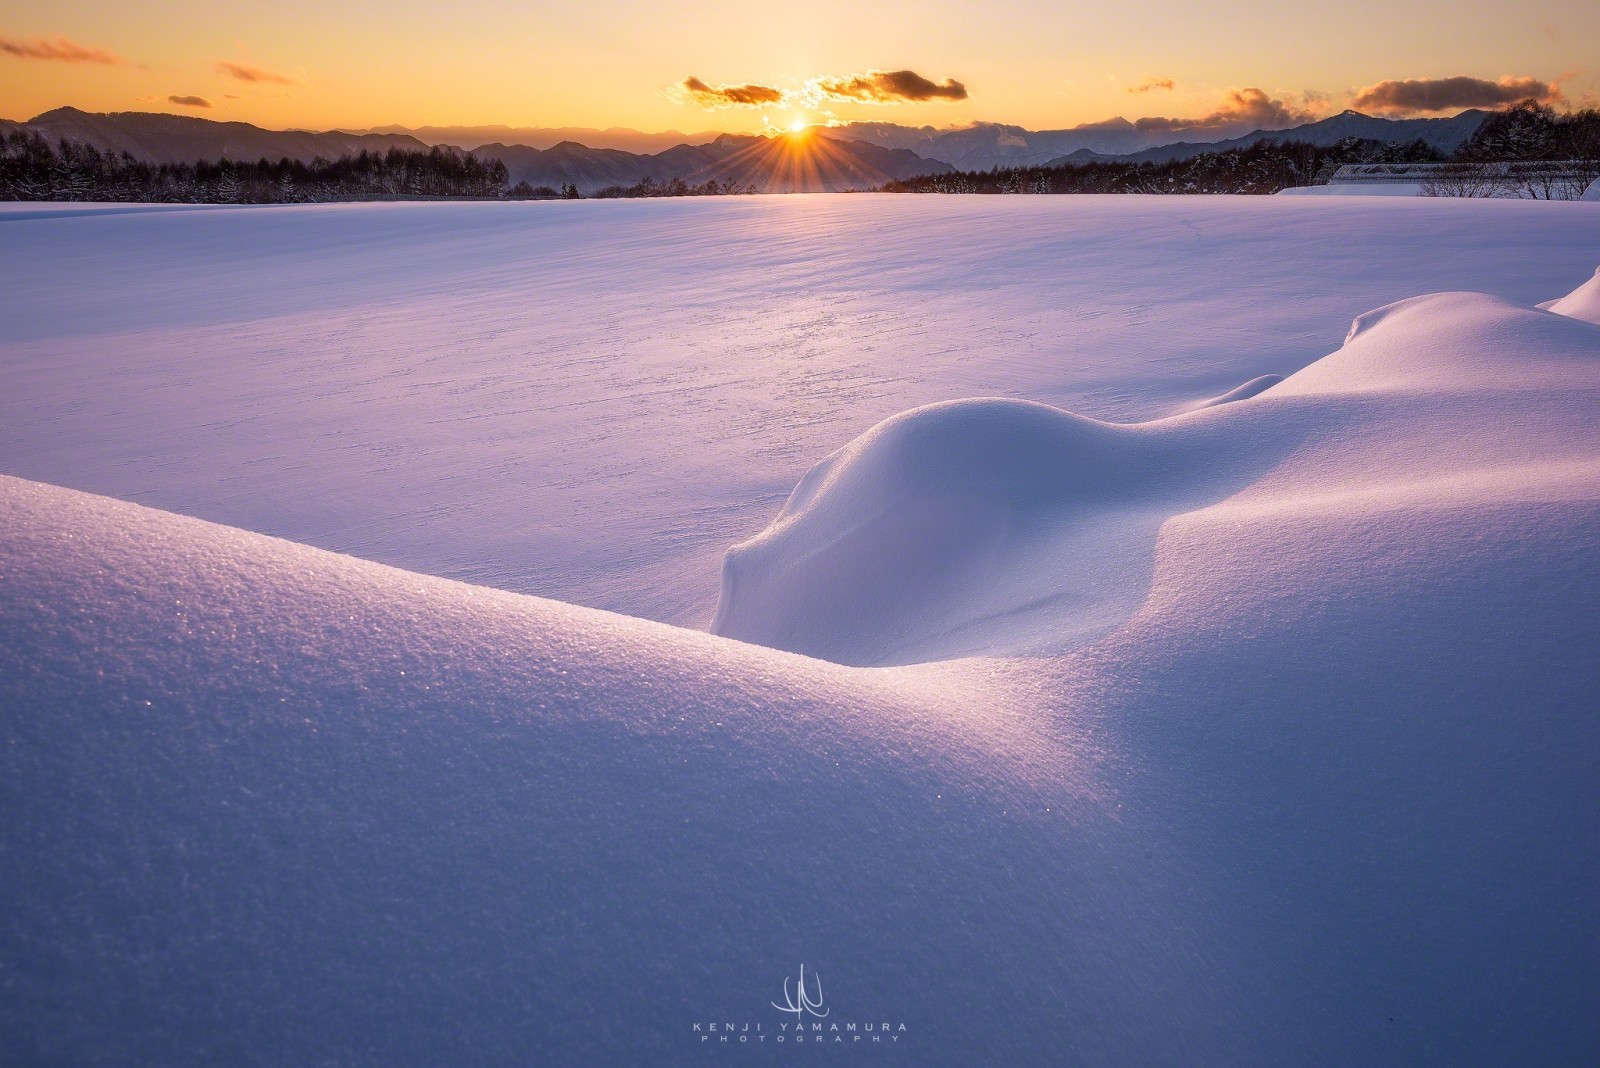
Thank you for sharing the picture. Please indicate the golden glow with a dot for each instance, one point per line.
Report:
(304, 64)
(797, 126)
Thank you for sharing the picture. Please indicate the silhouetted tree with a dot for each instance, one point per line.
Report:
(1265, 167)
(31, 168)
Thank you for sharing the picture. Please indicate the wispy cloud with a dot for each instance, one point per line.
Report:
(887, 87)
(60, 50)
(1151, 84)
(1414, 95)
(713, 97)
(1252, 107)
(189, 101)
(257, 75)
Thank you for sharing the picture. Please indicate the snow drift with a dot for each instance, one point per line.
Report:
(996, 526)
(1308, 780)
(982, 526)
(1582, 303)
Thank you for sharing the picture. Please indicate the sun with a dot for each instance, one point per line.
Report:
(798, 125)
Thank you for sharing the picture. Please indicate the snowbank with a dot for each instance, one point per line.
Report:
(1582, 303)
(1315, 786)
(995, 526)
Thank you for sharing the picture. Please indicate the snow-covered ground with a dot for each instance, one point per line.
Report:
(592, 401)
(1271, 737)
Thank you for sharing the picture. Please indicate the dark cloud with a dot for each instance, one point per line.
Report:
(257, 75)
(1150, 84)
(1250, 107)
(189, 101)
(61, 50)
(1443, 94)
(873, 87)
(889, 87)
(730, 96)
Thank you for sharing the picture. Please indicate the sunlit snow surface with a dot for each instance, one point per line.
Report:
(1274, 741)
(592, 401)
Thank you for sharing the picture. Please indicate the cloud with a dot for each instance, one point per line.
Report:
(1442, 94)
(1250, 107)
(240, 72)
(887, 87)
(873, 87)
(713, 97)
(61, 50)
(189, 101)
(1152, 83)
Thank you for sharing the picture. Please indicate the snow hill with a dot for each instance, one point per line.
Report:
(1311, 784)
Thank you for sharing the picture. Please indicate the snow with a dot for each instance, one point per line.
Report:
(1272, 740)
(591, 401)
(1582, 303)
(1355, 189)
(1391, 189)
(998, 526)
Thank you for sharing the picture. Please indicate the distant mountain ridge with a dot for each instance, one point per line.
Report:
(809, 163)
(990, 144)
(986, 145)
(1446, 135)
(545, 137)
(160, 138)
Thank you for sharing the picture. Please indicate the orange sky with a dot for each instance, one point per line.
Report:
(615, 62)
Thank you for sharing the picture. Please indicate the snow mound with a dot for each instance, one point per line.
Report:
(982, 526)
(1007, 527)
(1582, 303)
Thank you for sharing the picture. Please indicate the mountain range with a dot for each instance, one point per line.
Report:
(158, 138)
(822, 159)
(1446, 135)
(812, 162)
(621, 137)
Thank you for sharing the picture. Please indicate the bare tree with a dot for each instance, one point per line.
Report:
(1460, 179)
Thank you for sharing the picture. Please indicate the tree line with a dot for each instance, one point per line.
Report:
(34, 168)
(1264, 167)
(676, 187)
(1527, 133)
(1527, 151)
